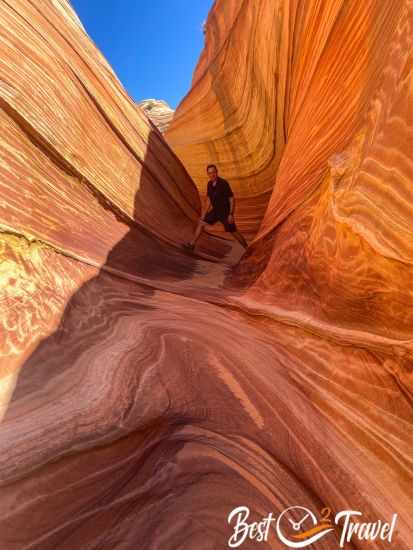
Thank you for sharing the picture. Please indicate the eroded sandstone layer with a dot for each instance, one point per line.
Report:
(146, 392)
(158, 111)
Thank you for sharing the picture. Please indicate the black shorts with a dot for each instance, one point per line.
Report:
(214, 217)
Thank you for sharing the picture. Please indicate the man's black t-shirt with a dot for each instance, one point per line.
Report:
(219, 196)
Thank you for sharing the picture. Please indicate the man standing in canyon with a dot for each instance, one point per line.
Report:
(220, 207)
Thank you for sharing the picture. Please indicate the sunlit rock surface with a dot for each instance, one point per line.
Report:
(145, 392)
(234, 115)
(158, 111)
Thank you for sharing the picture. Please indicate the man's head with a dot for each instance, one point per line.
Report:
(212, 172)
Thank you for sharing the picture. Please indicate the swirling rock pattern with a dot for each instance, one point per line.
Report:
(144, 392)
(158, 111)
(217, 122)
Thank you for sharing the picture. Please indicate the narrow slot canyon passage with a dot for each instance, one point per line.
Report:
(148, 391)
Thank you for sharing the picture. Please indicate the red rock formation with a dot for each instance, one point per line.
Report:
(332, 251)
(234, 114)
(158, 111)
(145, 393)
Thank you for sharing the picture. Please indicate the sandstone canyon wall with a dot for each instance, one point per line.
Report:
(158, 111)
(145, 393)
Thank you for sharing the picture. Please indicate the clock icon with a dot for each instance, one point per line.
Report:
(297, 527)
(301, 512)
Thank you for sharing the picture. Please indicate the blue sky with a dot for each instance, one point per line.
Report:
(152, 45)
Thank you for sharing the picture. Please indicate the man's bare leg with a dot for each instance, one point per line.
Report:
(198, 231)
(240, 239)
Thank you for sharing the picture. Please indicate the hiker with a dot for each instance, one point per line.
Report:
(220, 207)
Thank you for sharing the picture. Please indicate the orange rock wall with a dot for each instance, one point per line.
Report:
(331, 249)
(308, 119)
(79, 164)
(81, 136)
(342, 192)
(234, 114)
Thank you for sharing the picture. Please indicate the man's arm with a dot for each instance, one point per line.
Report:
(231, 205)
(231, 199)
